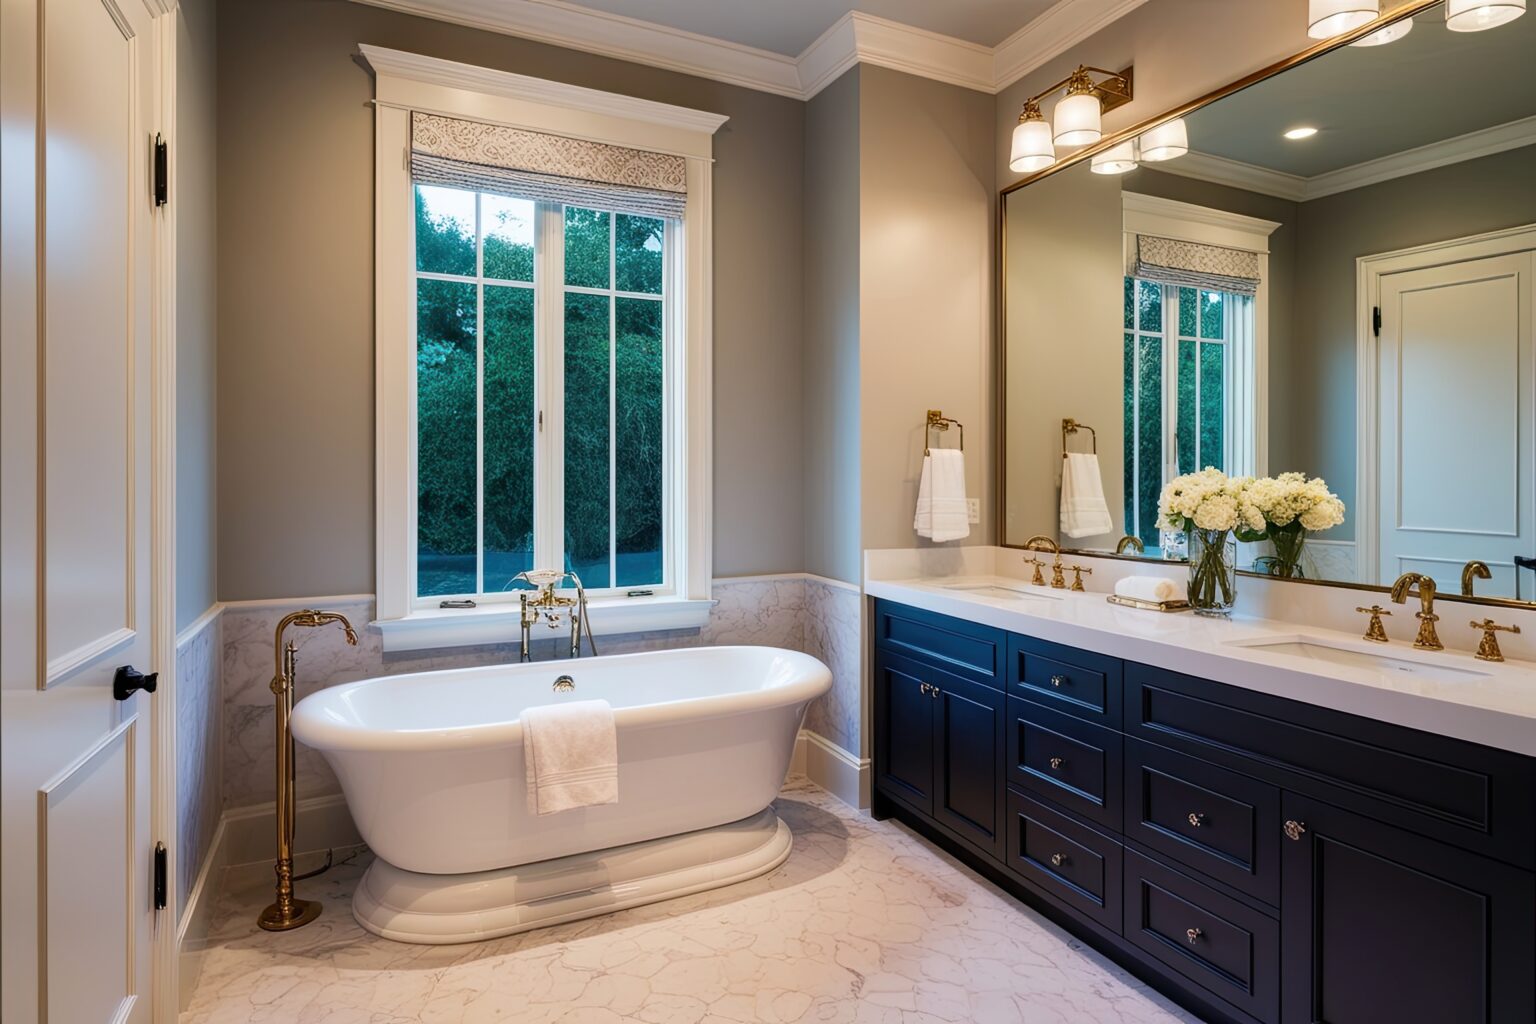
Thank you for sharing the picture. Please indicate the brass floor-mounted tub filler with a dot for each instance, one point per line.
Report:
(287, 912)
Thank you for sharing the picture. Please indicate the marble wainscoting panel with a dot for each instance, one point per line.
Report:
(832, 633)
(199, 714)
(760, 610)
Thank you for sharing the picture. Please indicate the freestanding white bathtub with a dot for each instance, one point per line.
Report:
(432, 767)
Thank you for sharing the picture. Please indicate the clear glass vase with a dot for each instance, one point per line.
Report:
(1212, 571)
(1289, 542)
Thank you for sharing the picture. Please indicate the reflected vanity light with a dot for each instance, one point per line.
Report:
(1328, 18)
(1078, 116)
(1032, 148)
(1168, 140)
(1391, 33)
(1305, 131)
(1477, 15)
(1119, 160)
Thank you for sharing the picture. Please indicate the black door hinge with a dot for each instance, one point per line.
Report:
(1376, 320)
(160, 879)
(162, 172)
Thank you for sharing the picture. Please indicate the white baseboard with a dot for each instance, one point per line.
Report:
(834, 769)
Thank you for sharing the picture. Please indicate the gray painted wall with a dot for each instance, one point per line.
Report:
(831, 367)
(927, 201)
(195, 176)
(295, 273)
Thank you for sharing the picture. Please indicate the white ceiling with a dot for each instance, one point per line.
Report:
(1371, 102)
(787, 27)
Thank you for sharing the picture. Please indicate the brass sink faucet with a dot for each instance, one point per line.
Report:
(1040, 542)
(1473, 570)
(1428, 639)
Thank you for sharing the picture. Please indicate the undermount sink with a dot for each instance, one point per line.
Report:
(1339, 653)
(1006, 593)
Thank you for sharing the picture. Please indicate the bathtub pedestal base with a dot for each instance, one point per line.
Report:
(409, 906)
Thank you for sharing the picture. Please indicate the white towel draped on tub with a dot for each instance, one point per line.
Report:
(571, 755)
(941, 505)
(1084, 513)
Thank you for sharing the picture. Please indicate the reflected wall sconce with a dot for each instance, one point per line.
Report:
(1078, 116)
(1476, 15)
(1329, 18)
(1118, 160)
(1168, 140)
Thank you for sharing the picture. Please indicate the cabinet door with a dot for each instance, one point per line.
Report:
(1383, 925)
(904, 732)
(968, 761)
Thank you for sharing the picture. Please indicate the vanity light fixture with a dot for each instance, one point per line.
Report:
(1032, 149)
(1305, 131)
(1168, 140)
(1078, 117)
(1118, 160)
(1476, 15)
(1329, 18)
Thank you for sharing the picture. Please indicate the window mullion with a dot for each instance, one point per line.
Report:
(1170, 382)
(479, 401)
(613, 388)
(549, 433)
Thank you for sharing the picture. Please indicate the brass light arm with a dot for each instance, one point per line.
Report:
(1473, 570)
(1113, 90)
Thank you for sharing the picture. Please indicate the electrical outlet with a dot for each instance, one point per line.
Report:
(973, 510)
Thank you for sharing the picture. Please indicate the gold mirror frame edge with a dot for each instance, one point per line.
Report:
(1408, 10)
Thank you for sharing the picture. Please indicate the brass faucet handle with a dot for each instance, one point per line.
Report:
(1077, 577)
(1488, 648)
(1058, 581)
(1039, 578)
(1375, 632)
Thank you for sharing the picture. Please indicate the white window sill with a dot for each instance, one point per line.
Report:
(430, 628)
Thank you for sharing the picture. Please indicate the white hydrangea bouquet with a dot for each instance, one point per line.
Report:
(1294, 506)
(1213, 509)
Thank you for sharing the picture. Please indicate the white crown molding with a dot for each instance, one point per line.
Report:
(1051, 34)
(855, 38)
(1471, 146)
(454, 75)
(1169, 218)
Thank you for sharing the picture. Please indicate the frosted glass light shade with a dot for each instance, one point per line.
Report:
(1328, 18)
(1476, 15)
(1077, 120)
(1032, 149)
(1165, 142)
(1382, 36)
(1118, 160)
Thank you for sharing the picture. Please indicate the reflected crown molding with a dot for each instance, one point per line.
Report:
(855, 38)
(1298, 189)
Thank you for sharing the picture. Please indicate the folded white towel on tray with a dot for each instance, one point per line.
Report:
(571, 755)
(942, 511)
(1148, 588)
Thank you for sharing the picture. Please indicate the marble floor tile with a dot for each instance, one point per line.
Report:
(864, 924)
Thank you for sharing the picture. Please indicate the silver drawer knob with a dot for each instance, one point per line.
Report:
(1196, 819)
(1193, 934)
(1058, 859)
(1056, 763)
(1058, 681)
(1294, 830)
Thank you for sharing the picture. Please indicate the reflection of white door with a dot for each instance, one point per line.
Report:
(79, 104)
(1456, 414)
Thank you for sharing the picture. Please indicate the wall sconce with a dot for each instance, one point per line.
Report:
(1078, 116)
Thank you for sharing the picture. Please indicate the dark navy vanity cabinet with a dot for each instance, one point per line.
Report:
(1258, 859)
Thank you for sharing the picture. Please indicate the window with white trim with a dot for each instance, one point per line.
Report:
(542, 313)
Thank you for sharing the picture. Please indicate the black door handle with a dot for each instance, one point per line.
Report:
(127, 679)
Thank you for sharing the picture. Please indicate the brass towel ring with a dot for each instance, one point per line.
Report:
(938, 421)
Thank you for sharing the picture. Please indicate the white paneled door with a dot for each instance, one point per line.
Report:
(78, 321)
(1456, 434)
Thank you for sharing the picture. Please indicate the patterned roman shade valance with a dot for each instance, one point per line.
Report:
(551, 168)
(1196, 265)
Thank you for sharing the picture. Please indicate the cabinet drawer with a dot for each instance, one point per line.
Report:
(1069, 860)
(1228, 949)
(1220, 823)
(964, 648)
(1065, 760)
(1473, 796)
(1067, 679)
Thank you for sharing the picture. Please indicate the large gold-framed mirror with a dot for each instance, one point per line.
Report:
(1335, 280)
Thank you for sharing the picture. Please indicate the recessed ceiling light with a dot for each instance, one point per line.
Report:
(1304, 132)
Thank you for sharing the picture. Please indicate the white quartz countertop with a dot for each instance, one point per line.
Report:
(1444, 692)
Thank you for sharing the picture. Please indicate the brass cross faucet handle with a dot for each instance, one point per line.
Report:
(1077, 576)
(1058, 581)
(1039, 579)
(1428, 639)
(1488, 649)
(1375, 632)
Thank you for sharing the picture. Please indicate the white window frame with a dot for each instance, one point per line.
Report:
(407, 82)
